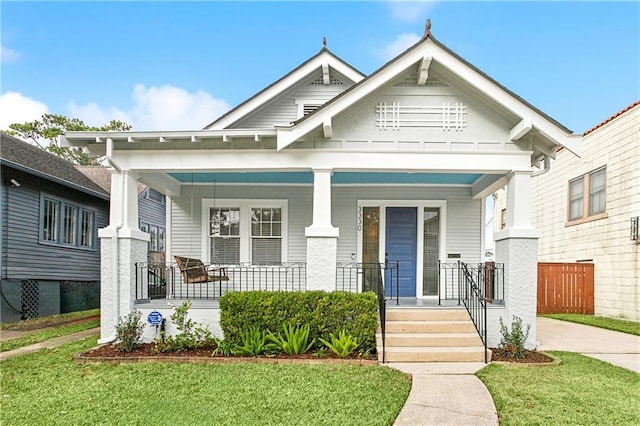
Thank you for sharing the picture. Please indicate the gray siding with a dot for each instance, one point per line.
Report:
(151, 212)
(463, 215)
(26, 257)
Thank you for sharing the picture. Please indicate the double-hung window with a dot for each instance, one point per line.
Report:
(156, 236)
(66, 224)
(587, 196)
(245, 231)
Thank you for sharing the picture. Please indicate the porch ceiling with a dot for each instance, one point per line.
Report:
(337, 178)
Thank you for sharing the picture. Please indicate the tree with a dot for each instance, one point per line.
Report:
(53, 125)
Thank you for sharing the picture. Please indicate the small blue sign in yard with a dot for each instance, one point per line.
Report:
(154, 318)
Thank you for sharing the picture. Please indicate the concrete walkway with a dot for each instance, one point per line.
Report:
(616, 348)
(446, 393)
(49, 343)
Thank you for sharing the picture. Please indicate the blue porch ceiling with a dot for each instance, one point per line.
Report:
(337, 178)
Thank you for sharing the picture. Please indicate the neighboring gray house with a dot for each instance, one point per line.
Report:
(50, 214)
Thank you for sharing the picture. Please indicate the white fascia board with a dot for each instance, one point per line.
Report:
(166, 161)
(325, 58)
(570, 141)
(86, 138)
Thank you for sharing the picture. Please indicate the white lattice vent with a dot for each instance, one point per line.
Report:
(30, 294)
(448, 116)
(332, 81)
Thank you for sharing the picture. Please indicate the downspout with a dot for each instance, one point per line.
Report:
(115, 273)
(547, 167)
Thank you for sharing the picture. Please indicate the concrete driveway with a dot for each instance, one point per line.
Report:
(616, 348)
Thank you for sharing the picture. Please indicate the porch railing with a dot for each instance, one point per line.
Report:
(489, 276)
(164, 281)
(475, 302)
(381, 278)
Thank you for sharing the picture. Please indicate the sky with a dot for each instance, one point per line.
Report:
(178, 65)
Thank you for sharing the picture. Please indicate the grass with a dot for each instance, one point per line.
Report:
(581, 390)
(624, 326)
(46, 334)
(46, 387)
(50, 320)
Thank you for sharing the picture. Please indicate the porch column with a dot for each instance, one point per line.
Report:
(517, 247)
(122, 245)
(322, 237)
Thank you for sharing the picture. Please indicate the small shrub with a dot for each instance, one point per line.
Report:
(191, 335)
(129, 331)
(343, 345)
(295, 340)
(223, 347)
(512, 342)
(254, 343)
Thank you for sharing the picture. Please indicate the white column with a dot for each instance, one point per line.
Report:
(322, 236)
(517, 248)
(122, 245)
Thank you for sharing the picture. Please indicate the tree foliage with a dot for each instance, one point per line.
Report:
(44, 133)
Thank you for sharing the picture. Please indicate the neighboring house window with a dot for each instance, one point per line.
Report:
(157, 236)
(245, 231)
(153, 195)
(587, 195)
(67, 224)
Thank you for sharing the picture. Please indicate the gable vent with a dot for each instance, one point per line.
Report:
(412, 80)
(309, 108)
(332, 80)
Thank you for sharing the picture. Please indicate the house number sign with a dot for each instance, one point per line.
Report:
(154, 318)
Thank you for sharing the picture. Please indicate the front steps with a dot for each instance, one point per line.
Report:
(431, 335)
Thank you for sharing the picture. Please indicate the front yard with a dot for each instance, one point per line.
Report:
(48, 388)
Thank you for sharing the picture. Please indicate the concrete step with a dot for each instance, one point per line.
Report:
(408, 314)
(433, 339)
(457, 326)
(435, 354)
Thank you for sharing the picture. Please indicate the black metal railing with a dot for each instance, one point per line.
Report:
(488, 275)
(475, 302)
(164, 280)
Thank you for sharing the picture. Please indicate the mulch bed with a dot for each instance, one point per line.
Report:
(531, 357)
(145, 353)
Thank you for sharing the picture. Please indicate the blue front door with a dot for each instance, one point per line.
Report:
(401, 246)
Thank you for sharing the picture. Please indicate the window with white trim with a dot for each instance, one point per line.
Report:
(66, 224)
(245, 231)
(156, 236)
(587, 196)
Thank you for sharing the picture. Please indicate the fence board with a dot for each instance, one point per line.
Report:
(565, 288)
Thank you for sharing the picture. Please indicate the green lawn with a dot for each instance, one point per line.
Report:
(48, 388)
(49, 333)
(580, 391)
(624, 326)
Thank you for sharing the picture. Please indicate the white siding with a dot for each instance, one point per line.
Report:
(283, 109)
(463, 215)
(607, 241)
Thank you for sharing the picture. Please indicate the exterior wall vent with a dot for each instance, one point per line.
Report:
(635, 229)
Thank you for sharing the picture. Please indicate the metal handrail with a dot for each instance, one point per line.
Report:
(476, 305)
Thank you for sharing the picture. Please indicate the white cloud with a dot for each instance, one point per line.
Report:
(400, 44)
(16, 108)
(409, 11)
(157, 108)
(8, 56)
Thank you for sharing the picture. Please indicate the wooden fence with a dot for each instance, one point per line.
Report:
(565, 288)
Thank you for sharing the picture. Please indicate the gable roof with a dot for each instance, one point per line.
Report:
(429, 48)
(613, 117)
(23, 156)
(324, 57)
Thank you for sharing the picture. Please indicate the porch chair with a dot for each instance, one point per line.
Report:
(194, 271)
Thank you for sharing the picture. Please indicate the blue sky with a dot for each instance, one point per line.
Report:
(174, 65)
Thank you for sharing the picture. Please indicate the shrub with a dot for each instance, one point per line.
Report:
(295, 340)
(223, 347)
(343, 345)
(325, 313)
(512, 342)
(129, 331)
(191, 335)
